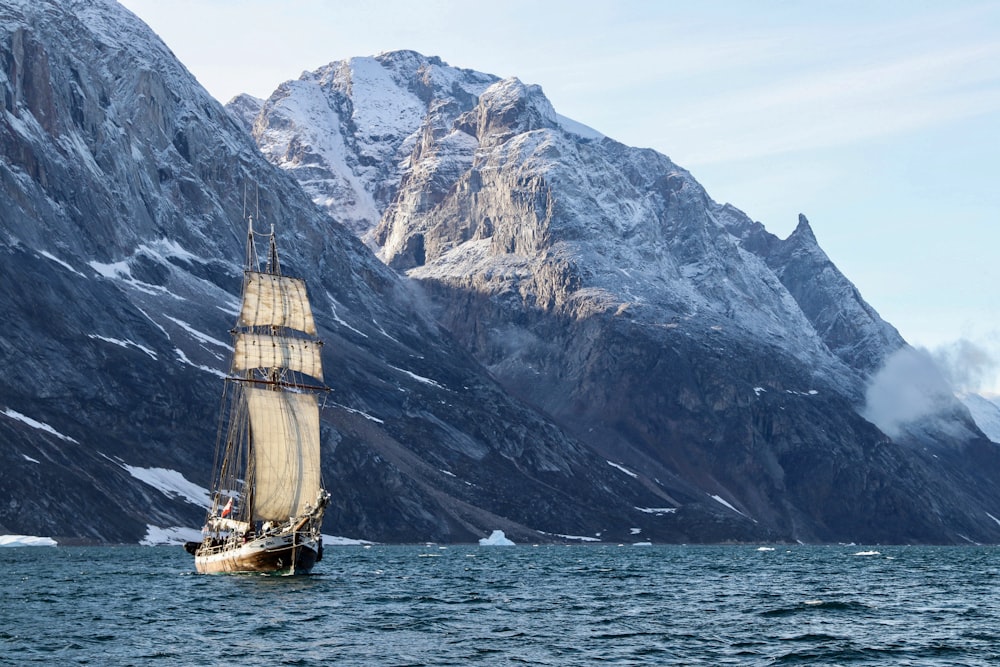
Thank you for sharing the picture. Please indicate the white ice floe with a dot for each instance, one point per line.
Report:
(496, 539)
(623, 469)
(171, 484)
(156, 535)
(868, 553)
(41, 426)
(26, 541)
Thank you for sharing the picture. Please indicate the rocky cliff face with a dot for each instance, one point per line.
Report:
(587, 344)
(602, 285)
(122, 185)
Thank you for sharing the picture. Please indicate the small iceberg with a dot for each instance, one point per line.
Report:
(496, 539)
(26, 541)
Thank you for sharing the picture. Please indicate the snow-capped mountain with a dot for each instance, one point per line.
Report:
(587, 344)
(603, 285)
(122, 187)
(374, 111)
(388, 142)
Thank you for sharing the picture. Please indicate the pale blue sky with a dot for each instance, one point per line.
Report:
(878, 120)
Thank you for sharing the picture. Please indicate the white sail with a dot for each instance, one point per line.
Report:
(263, 351)
(285, 435)
(276, 300)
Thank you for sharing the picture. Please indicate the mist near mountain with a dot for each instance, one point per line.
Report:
(908, 389)
(967, 365)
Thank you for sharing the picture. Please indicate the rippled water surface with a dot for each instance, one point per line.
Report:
(471, 605)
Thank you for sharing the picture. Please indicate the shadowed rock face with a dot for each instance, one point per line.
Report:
(122, 186)
(588, 346)
(673, 335)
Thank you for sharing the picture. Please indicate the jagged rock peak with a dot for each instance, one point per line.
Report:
(407, 58)
(245, 108)
(803, 231)
(510, 107)
(426, 77)
(346, 129)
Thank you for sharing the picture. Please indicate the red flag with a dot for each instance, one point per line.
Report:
(228, 508)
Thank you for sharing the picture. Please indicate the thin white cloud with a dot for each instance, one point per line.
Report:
(838, 106)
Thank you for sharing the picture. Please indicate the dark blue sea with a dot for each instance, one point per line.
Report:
(523, 605)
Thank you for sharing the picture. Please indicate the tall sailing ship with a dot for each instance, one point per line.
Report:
(268, 499)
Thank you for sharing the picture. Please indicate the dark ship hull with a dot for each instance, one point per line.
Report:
(281, 553)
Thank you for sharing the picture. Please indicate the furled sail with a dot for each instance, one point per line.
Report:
(263, 351)
(275, 300)
(285, 433)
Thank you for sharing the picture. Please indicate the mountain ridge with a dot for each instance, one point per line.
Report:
(543, 391)
(120, 181)
(541, 246)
